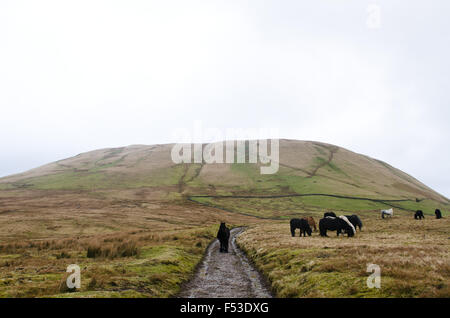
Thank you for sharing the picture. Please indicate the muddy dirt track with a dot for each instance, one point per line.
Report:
(226, 275)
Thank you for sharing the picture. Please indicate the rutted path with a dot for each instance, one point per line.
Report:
(226, 275)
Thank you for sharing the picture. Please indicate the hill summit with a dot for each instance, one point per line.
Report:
(305, 168)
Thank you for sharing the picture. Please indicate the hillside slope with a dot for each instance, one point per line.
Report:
(306, 167)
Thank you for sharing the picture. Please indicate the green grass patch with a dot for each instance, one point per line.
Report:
(98, 178)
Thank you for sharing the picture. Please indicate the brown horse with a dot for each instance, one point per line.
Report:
(311, 222)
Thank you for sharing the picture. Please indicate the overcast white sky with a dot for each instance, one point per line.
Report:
(80, 75)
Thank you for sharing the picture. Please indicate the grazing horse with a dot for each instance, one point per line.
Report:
(301, 224)
(419, 215)
(389, 213)
(329, 214)
(355, 220)
(337, 224)
(311, 222)
(438, 214)
(223, 235)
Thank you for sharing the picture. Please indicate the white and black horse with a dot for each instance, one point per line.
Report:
(337, 224)
(385, 213)
(329, 214)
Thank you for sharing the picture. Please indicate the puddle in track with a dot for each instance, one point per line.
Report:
(226, 275)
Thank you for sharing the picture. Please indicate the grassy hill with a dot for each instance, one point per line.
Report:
(138, 224)
(309, 173)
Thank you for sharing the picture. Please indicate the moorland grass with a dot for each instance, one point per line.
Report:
(124, 216)
(110, 266)
(413, 256)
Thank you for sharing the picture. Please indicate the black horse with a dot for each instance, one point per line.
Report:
(301, 224)
(336, 224)
(438, 214)
(223, 235)
(419, 215)
(355, 220)
(329, 214)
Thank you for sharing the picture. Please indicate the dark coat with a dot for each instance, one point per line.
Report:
(329, 214)
(334, 224)
(301, 224)
(419, 215)
(355, 220)
(438, 214)
(223, 235)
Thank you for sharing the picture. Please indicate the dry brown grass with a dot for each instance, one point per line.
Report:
(122, 249)
(414, 257)
(141, 247)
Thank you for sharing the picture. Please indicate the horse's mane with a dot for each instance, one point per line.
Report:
(356, 218)
(343, 217)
